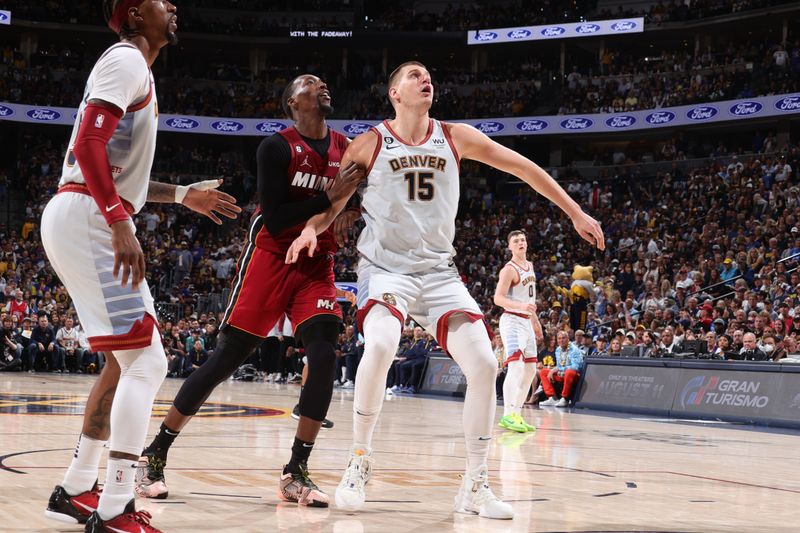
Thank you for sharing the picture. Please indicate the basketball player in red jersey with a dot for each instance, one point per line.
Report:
(299, 176)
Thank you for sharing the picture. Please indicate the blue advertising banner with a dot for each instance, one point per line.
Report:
(556, 31)
(5, 17)
(648, 119)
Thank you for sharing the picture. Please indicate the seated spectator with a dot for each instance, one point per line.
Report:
(409, 366)
(68, 355)
(750, 351)
(723, 348)
(350, 357)
(196, 357)
(600, 348)
(11, 354)
(42, 346)
(614, 347)
(569, 365)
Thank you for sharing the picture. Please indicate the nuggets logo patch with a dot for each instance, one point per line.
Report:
(70, 404)
(389, 299)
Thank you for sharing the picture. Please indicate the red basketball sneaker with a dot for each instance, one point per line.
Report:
(130, 520)
(72, 509)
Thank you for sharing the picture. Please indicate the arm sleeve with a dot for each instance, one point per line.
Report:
(273, 158)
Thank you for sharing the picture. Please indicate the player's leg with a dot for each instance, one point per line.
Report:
(527, 373)
(382, 329)
(468, 343)
(326, 424)
(511, 333)
(319, 336)
(142, 371)
(254, 306)
(77, 496)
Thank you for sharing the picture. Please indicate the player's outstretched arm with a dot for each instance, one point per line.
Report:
(201, 197)
(473, 144)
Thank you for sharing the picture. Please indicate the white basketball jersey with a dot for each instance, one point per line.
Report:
(410, 202)
(525, 289)
(121, 77)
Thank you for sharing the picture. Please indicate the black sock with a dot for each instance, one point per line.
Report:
(161, 443)
(301, 450)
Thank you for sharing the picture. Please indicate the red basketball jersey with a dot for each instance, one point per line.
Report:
(308, 175)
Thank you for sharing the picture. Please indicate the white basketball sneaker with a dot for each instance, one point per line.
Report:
(350, 494)
(475, 497)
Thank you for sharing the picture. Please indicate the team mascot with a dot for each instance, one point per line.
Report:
(580, 294)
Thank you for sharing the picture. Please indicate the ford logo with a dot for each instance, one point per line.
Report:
(44, 115)
(270, 127)
(356, 128)
(621, 121)
(489, 127)
(4, 17)
(227, 126)
(532, 125)
(789, 103)
(75, 115)
(623, 25)
(182, 123)
(660, 117)
(577, 123)
(553, 31)
(6, 111)
(585, 29)
(703, 112)
(746, 108)
(520, 33)
(486, 36)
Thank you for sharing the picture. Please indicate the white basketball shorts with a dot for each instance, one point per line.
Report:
(519, 340)
(78, 244)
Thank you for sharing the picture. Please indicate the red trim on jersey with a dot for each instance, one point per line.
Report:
(97, 127)
(80, 188)
(361, 314)
(526, 317)
(376, 151)
(446, 129)
(423, 141)
(521, 267)
(514, 284)
(441, 326)
(141, 105)
(140, 336)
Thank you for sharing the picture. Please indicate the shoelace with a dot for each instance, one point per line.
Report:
(305, 479)
(156, 467)
(142, 517)
(354, 473)
(483, 494)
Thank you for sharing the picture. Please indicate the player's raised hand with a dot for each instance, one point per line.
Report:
(127, 253)
(306, 239)
(346, 182)
(589, 229)
(343, 223)
(203, 198)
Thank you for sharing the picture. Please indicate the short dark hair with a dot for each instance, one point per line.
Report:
(396, 73)
(515, 233)
(288, 92)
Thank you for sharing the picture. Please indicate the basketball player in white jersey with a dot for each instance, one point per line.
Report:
(520, 330)
(89, 237)
(409, 204)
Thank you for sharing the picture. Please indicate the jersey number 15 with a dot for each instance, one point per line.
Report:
(420, 186)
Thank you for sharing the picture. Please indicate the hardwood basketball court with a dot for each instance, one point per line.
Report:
(579, 471)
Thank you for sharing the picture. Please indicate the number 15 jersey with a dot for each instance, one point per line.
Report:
(410, 201)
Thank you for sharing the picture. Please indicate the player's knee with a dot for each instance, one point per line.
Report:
(382, 346)
(147, 364)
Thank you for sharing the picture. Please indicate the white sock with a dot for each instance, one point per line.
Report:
(511, 385)
(469, 345)
(82, 472)
(382, 332)
(118, 490)
(528, 374)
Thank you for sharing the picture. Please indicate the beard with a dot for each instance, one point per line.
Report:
(172, 38)
(326, 109)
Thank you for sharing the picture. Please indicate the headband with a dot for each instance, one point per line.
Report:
(120, 15)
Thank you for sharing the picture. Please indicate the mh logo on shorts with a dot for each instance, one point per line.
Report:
(323, 303)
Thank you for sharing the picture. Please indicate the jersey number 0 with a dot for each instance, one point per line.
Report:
(420, 186)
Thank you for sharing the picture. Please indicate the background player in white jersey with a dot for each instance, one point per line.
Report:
(89, 237)
(409, 204)
(520, 330)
